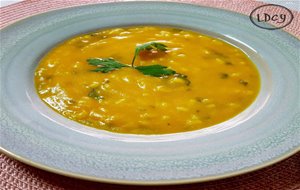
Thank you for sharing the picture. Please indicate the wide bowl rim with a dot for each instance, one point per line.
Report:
(144, 183)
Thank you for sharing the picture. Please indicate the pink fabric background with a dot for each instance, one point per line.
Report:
(284, 175)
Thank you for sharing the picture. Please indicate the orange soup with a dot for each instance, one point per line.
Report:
(147, 80)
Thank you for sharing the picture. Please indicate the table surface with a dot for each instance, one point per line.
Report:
(291, 4)
(284, 175)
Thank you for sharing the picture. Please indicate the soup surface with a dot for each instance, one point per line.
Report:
(180, 80)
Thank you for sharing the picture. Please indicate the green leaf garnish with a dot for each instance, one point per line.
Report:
(148, 47)
(105, 65)
(155, 70)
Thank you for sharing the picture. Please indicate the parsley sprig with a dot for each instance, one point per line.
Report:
(155, 70)
(106, 65)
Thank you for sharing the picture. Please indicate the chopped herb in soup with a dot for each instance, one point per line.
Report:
(147, 80)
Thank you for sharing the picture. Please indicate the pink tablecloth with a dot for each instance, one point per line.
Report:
(284, 175)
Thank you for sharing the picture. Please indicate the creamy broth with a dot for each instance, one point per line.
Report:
(221, 81)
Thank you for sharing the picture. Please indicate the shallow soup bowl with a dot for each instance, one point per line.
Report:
(266, 132)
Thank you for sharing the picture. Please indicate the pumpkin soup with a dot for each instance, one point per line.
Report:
(147, 80)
